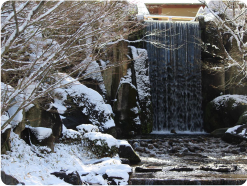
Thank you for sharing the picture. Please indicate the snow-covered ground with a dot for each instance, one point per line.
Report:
(26, 166)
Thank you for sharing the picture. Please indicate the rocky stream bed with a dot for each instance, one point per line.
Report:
(188, 159)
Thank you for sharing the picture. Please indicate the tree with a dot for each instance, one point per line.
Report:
(41, 38)
(230, 18)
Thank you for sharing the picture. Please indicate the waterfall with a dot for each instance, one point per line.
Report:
(174, 56)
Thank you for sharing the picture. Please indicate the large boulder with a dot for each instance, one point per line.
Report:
(126, 151)
(37, 116)
(219, 132)
(78, 104)
(236, 134)
(40, 136)
(72, 178)
(126, 110)
(224, 111)
(70, 136)
(217, 77)
(102, 145)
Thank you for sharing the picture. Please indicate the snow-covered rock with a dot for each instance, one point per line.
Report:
(224, 111)
(236, 134)
(101, 144)
(143, 88)
(26, 166)
(39, 136)
(85, 128)
(40, 133)
(70, 135)
(76, 97)
(126, 151)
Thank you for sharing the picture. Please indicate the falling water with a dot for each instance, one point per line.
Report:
(175, 75)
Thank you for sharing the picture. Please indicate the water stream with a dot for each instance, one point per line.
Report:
(175, 75)
(188, 159)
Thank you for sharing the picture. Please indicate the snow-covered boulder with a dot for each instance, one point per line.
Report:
(72, 178)
(102, 145)
(126, 151)
(39, 136)
(37, 116)
(236, 134)
(40, 133)
(70, 135)
(224, 111)
(79, 104)
(85, 128)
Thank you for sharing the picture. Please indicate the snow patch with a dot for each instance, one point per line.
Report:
(233, 129)
(141, 71)
(93, 71)
(40, 133)
(85, 128)
(222, 100)
(109, 139)
(4, 118)
(24, 164)
(70, 133)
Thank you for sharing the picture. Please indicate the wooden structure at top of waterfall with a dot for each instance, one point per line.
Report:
(174, 10)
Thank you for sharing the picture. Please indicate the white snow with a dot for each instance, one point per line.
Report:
(93, 71)
(137, 120)
(222, 100)
(233, 129)
(24, 164)
(4, 118)
(109, 139)
(70, 133)
(142, 79)
(126, 79)
(124, 142)
(85, 128)
(83, 96)
(40, 132)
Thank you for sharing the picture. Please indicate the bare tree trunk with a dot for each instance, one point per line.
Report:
(15, 16)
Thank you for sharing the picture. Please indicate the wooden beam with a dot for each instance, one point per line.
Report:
(170, 18)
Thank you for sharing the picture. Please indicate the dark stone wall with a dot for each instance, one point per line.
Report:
(216, 78)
